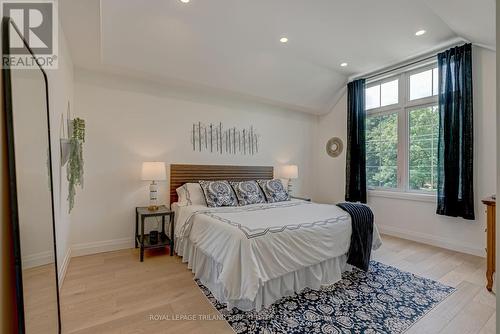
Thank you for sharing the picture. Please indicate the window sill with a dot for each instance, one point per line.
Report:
(409, 196)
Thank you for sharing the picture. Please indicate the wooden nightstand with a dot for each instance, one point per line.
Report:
(490, 240)
(142, 240)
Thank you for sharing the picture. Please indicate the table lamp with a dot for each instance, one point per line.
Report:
(290, 172)
(153, 171)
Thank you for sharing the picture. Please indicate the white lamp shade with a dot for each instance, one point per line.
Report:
(290, 172)
(153, 171)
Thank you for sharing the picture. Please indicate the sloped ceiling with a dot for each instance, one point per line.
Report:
(232, 46)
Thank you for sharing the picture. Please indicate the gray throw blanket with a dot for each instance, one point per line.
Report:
(362, 234)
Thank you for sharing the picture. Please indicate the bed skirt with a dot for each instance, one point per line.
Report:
(207, 270)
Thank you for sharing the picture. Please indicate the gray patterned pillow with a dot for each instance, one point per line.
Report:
(274, 190)
(248, 192)
(218, 193)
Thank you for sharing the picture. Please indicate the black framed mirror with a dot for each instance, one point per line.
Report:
(26, 104)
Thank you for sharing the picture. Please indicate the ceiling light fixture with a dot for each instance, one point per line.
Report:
(343, 64)
(283, 40)
(185, 1)
(420, 33)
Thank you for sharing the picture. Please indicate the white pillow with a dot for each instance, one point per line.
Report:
(181, 195)
(190, 194)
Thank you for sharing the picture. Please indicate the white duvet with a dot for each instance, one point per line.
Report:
(257, 243)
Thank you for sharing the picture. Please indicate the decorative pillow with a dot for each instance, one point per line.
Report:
(190, 194)
(274, 190)
(248, 192)
(218, 193)
(181, 195)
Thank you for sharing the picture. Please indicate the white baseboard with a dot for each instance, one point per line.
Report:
(38, 259)
(64, 268)
(433, 240)
(101, 246)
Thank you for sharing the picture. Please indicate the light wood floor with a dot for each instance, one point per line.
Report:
(115, 293)
(40, 299)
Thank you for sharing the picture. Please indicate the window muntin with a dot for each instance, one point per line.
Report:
(402, 137)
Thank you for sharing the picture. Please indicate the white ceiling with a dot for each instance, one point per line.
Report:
(232, 46)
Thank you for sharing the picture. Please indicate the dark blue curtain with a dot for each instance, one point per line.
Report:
(356, 143)
(455, 148)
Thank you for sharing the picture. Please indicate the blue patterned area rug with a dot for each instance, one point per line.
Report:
(383, 300)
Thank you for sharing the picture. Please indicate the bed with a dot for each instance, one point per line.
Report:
(251, 256)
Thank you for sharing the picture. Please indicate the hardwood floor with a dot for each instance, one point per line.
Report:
(40, 299)
(115, 293)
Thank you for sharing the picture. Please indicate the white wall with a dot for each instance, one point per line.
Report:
(60, 82)
(330, 172)
(129, 121)
(417, 219)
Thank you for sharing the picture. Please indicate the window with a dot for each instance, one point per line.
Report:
(382, 150)
(402, 131)
(423, 126)
(424, 84)
(382, 94)
(372, 97)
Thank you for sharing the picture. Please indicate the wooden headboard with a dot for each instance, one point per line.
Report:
(180, 174)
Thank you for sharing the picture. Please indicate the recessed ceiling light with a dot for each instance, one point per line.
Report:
(420, 33)
(185, 1)
(283, 40)
(343, 64)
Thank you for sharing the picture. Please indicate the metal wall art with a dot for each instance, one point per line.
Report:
(334, 147)
(214, 138)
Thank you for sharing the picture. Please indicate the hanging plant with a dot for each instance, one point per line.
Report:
(75, 161)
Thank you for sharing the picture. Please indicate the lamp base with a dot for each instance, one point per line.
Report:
(153, 196)
(289, 187)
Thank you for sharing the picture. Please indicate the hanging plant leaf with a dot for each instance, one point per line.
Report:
(75, 161)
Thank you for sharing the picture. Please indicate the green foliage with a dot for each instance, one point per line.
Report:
(75, 162)
(382, 149)
(423, 148)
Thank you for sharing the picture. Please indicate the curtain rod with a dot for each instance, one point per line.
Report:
(414, 60)
(378, 74)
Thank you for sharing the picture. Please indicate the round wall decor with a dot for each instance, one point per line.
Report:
(334, 147)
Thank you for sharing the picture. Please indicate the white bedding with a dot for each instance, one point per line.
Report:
(255, 245)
